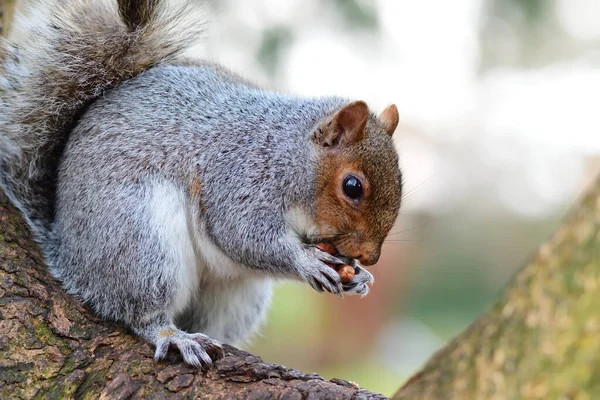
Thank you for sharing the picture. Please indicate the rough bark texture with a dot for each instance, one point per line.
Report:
(52, 347)
(542, 338)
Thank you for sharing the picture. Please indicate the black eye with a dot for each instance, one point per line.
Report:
(352, 187)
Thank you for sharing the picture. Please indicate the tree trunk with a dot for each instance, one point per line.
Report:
(542, 338)
(52, 347)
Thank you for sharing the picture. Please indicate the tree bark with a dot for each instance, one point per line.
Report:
(542, 338)
(53, 347)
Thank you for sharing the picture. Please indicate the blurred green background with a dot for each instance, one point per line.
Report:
(499, 133)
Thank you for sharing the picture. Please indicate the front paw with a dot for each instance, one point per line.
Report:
(360, 283)
(319, 275)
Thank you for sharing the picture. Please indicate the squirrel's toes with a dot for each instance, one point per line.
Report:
(360, 283)
(194, 347)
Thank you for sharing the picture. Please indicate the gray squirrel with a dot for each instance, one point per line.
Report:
(167, 192)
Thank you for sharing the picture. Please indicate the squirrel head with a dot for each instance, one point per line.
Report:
(358, 180)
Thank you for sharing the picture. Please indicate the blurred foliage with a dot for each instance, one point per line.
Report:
(516, 33)
(353, 14)
(274, 40)
(533, 11)
(446, 302)
(357, 14)
(466, 265)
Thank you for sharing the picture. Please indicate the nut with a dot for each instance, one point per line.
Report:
(346, 273)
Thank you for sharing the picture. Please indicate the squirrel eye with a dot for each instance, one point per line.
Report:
(352, 187)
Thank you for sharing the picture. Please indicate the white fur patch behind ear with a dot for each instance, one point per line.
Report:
(215, 261)
(300, 224)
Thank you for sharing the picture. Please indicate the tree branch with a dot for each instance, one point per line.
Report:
(542, 338)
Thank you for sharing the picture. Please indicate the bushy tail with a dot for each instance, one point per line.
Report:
(61, 56)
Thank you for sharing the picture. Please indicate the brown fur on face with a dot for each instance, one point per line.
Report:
(355, 142)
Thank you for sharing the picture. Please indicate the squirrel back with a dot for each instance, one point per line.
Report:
(54, 68)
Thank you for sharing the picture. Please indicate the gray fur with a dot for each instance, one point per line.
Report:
(140, 124)
(66, 54)
(166, 195)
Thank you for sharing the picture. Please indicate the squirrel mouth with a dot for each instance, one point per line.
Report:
(348, 268)
(329, 248)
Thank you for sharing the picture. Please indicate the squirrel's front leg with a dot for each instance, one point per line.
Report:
(358, 284)
(277, 245)
(310, 265)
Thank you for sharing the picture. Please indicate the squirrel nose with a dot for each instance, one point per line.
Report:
(369, 258)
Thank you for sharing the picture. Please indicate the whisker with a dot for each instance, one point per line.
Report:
(411, 192)
(333, 237)
(325, 236)
(411, 229)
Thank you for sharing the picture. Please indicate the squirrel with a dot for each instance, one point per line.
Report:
(168, 193)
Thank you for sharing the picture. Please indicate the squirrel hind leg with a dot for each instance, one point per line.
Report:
(196, 349)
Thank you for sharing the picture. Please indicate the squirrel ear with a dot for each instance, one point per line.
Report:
(346, 127)
(390, 119)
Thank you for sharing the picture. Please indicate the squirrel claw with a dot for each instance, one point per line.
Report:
(194, 347)
(320, 276)
(325, 257)
(325, 282)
